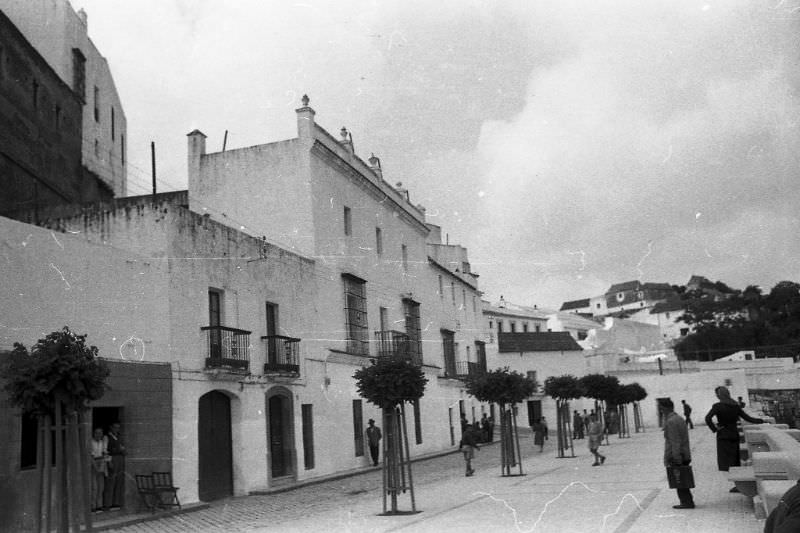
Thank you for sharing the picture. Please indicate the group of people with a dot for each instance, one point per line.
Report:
(721, 420)
(108, 468)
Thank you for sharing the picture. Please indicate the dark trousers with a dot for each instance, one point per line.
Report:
(685, 496)
(689, 422)
(374, 450)
(114, 491)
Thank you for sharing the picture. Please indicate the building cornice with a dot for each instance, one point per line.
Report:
(333, 160)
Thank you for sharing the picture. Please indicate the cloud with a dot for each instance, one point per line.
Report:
(664, 112)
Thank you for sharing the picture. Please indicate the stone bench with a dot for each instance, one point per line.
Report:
(770, 492)
(745, 480)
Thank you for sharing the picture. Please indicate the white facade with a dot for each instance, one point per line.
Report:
(60, 35)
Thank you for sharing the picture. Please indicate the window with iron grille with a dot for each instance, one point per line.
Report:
(308, 435)
(480, 355)
(358, 427)
(449, 352)
(355, 306)
(413, 330)
(348, 221)
(417, 422)
(79, 73)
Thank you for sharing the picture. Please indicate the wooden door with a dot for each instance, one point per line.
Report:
(214, 447)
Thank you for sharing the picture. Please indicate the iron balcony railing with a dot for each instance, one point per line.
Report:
(468, 368)
(283, 354)
(399, 345)
(227, 347)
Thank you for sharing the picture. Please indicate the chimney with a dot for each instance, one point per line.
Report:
(347, 140)
(305, 119)
(375, 165)
(196, 151)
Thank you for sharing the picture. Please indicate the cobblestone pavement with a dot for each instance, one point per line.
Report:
(628, 494)
(250, 513)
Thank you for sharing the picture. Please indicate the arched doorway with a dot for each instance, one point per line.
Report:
(215, 465)
(280, 433)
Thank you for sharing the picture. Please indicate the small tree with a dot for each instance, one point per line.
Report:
(562, 389)
(506, 388)
(602, 389)
(55, 382)
(637, 394)
(389, 383)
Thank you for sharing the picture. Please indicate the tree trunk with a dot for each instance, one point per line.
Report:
(396, 460)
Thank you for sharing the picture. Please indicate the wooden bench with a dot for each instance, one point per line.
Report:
(157, 491)
(146, 487)
(167, 492)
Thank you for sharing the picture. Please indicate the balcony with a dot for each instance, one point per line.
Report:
(228, 348)
(468, 368)
(396, 344)
(283, 354)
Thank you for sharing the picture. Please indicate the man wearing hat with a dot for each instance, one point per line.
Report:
(374, 440)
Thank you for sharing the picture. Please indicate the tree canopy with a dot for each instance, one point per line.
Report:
(566, 387)
(600, 387)
(388, 382)
(61, 366)
(501, 386)
(724, 322)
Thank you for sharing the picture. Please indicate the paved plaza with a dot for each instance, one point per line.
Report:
(627, 494)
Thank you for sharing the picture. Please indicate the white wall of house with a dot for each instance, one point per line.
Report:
(52, 280)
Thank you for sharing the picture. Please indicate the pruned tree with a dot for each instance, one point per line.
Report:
(55, 381)
(602, 389)
(626, 395)
(563, 389)
(390, 383)
(637, 394)
(506, 388)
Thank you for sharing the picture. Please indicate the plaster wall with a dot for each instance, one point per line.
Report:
(52, 279)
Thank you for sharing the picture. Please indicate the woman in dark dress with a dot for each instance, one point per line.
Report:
(727, 412)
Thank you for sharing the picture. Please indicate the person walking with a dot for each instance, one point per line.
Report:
(374, 440)
(595, 434)
(538, 429)
(676, 447)
(484, 428)
(100, 458)
(687, 414)
(490, 422)
(727, 412)
(464, 426)
(114, 492)
(577, 425)
(469, 443)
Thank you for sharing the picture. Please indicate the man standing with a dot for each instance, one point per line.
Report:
(114, 494)
(687, 414)
(577, 425)
(374, 439)
(469, 443)
(676, 447)
(595, 433)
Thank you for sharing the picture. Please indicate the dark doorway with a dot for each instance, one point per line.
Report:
(103, 417)
(280, 435)
(534, 411)
(215, 450)
(658, 410)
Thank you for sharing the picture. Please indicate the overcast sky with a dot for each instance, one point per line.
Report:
(568, 145)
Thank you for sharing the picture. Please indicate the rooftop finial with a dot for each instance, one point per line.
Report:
(343, 133)
(305, 100)
(374, 161)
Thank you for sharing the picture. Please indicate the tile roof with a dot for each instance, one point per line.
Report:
(575, 304)
(545, 341)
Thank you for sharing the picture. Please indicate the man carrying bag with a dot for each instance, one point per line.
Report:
(677, 455)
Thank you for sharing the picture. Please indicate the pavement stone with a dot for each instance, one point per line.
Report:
(628, 494)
